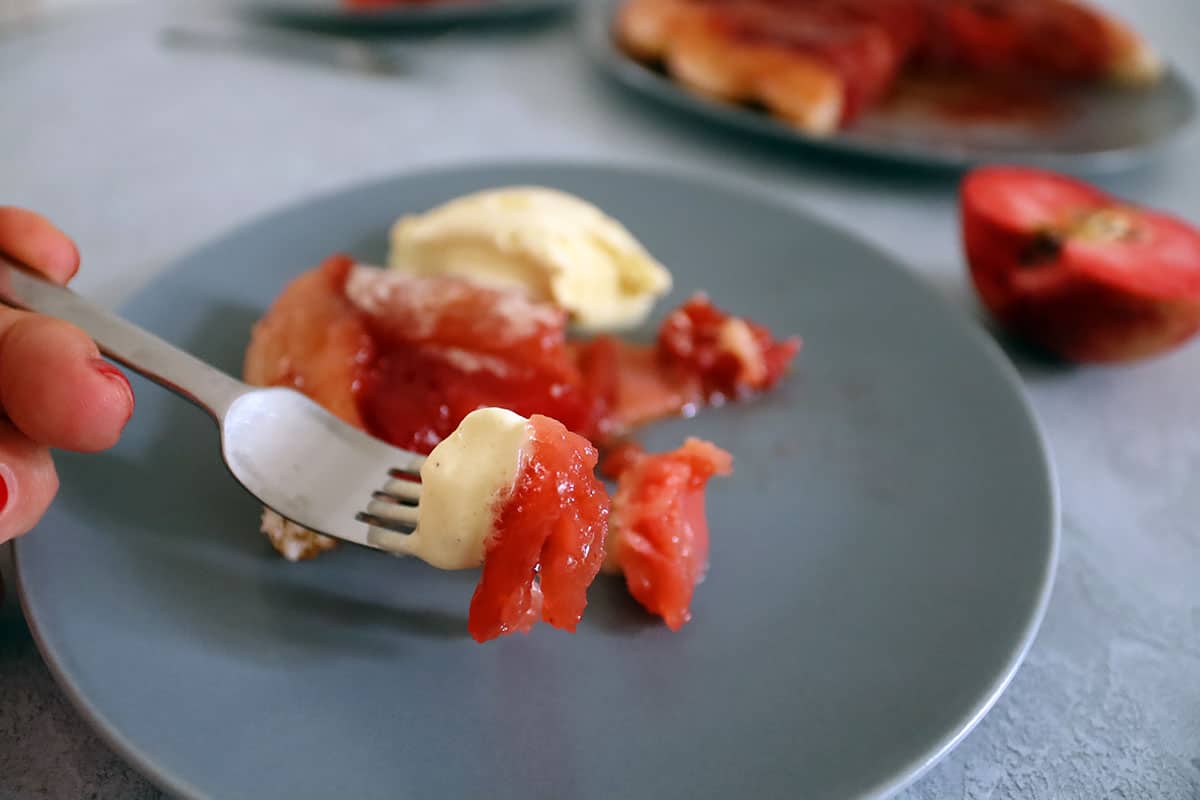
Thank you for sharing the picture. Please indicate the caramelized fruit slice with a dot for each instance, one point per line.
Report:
(703, 355)
(659, 534)
(456, 313)
(313, 340)
(548, 543)
(415, 396)
(731, 356)
(1060, 40)
(448, 347)
(630, 385)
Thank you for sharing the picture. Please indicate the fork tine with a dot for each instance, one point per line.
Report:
(404, 474)
(406, 515)
(386, 523)
(403, 490)
(384, 497)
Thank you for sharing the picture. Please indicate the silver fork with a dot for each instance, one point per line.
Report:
(336, 51)
(291, 454)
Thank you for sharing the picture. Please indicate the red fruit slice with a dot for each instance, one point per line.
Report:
(1050, 38)
(314, 341)
(659, 534)
(1076, 271)
(414, 397)
(455, 313)
(448, 347)
(731, 356)
(548, 543)
(703, 355)
(631, 384)
(856, 46)
(408, 358)
(620, 457)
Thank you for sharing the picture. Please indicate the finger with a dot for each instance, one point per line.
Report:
(31, 239)
(28, 482)
(54, 386)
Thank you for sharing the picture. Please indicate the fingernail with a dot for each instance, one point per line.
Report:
(6, 479)
(76, 260)
(116, 376)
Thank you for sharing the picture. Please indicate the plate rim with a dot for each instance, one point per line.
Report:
(447, 12)
(594, 30)
(700, 179)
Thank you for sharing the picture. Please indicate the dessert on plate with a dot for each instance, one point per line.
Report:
(819, 65)
(478, 347)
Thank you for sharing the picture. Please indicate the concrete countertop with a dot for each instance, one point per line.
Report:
(143, 153)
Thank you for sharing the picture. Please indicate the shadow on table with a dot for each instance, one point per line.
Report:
(1029, 361)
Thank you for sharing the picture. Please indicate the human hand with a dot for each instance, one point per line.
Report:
(55, 390)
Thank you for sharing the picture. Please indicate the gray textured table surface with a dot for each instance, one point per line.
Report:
(142, 153)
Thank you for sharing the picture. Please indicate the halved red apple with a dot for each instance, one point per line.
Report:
(1078, 272)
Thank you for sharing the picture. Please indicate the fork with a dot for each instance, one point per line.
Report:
(336, 51)
(294, 456)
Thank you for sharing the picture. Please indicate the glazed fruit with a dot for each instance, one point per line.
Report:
(819, 65)
(548, 542)
(1080, 273)
(313, 340)
(412, 360)
(658, 536)
(731, 356)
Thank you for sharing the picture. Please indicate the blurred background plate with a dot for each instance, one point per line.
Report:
(332, 13)
(1097, 130)
(881, 556)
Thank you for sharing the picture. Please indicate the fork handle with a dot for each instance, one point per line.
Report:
(141, 351)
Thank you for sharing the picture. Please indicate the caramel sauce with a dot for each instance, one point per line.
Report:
(975, 99)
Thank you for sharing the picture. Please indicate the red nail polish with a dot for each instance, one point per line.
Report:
(5, 477)
(116, 376)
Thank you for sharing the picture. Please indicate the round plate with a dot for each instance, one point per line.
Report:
(1098, 130)
(435, 13)
(881, 556)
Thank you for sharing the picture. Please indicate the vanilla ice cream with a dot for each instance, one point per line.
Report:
(462, 482)
(557, 247)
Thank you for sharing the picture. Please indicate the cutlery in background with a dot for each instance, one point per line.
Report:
(338, 52)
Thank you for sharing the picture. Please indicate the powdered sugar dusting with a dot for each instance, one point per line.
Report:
(523, 316)
(420, 301)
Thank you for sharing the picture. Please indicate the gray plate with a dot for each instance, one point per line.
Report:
(447, 12)
(880, 561)
(1107, 129)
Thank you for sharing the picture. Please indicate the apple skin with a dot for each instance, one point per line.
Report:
(1080, 274)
